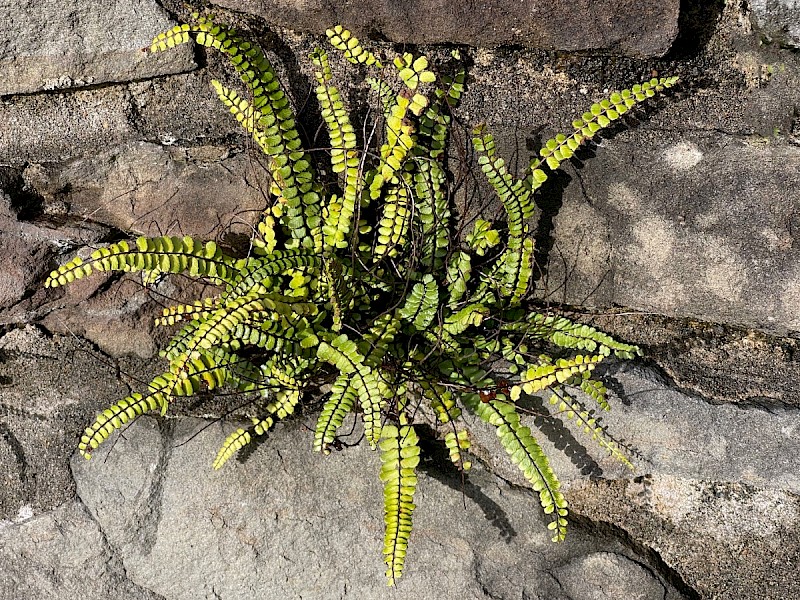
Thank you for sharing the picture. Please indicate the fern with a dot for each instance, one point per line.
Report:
(399, 459)
(359, 280)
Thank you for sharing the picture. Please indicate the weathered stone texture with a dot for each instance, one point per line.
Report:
(643, 28)
(49, 45)
(289, 523)
(780, 19)
(62, 555)
(704, 227)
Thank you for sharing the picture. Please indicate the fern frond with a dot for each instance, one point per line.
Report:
(336, 407)
(456, 443)
(600, 115)
(513, 193)
(564, 371)
(394, 151)
(117, 415)
(526, 453)
(385, 93)
(341, 39)
(469, 316)
(371, 390)
(565, 333)
(280, 408)
(399, 459)
(197, 310)
(395, 220)
(166, 254)
(459, 270)
(421, 304)
(259, 269)
(271, 120)
(345, 158)
(583, 419)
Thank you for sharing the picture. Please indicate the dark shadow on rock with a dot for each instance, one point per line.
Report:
(436, 464)
(697, 22)
(555, 430)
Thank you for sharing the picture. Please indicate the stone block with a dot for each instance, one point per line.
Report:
(50, 45)
(643, 28)
(690, 225)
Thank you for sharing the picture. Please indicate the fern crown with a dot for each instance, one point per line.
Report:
(359, 282)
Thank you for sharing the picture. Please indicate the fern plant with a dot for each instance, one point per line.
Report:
(360, 283)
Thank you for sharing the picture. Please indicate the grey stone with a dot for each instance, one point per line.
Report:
(636, 28)
(288, 523)
(702, 227)
(612, 577)
(49, 390)
(717, 362)
(150, 189)
(62, 555)
(779, 18)
(58, 127)
(48, 45)
(725, 540)
(27, 249)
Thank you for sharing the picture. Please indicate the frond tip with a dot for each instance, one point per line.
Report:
(399, 459)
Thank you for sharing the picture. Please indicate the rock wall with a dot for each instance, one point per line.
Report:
(680, 232)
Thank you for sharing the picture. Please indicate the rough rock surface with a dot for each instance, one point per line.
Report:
(685, 240)
(644, 28)
(291, 524)
(780, 20)
(51, 45)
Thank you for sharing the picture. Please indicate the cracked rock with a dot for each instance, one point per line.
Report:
(606, 576)
(48, 45)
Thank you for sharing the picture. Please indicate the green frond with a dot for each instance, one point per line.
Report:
(399, 459)
(371, 390)
(459, 270)
(116, 416)
(597, 391)
(180, 312)
(283, 405)
(341, 39)
(421, 304)
(482, 237)
(471, 315)
(413, 71)
(575, 412)
(513, 193)
(232, 444)
(526, 453)
(564, 371)
(456, 443)
(171, 38)
(259, 269)
(395, 220)
(336, 407)
(376, 341)
(398, 145)
(345, 159)
(385, 93)
(599, 116)
(166, 254)
(565, 333)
